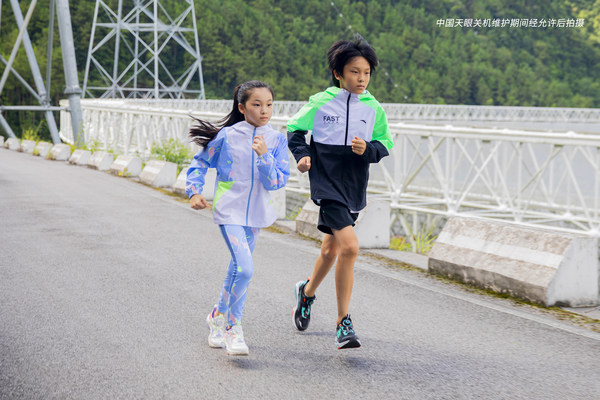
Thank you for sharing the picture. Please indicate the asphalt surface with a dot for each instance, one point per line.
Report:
(105, 285)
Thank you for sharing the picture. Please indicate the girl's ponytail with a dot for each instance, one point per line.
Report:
(203, 132)
(235, 115)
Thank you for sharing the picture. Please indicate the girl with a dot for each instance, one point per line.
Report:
(251, 158)
(349, 132)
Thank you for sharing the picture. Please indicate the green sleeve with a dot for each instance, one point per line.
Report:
(381, 130)
(305, 118)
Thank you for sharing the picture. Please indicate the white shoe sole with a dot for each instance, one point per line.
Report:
(243, 351)
(354, 344)
(215, 345)
(238, 352)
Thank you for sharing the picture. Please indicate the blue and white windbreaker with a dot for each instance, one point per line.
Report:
(243, 178)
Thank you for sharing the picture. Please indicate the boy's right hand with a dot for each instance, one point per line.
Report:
(304, 164)
(198, 202)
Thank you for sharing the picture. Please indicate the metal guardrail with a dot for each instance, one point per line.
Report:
(400, 112)
(533, 178)
(538, 179)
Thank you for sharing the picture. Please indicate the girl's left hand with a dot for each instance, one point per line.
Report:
(358, 146)
(259, 145)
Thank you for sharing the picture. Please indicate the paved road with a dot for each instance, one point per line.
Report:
(105, 284)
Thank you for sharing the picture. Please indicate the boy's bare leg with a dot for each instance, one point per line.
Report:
(344, 271)
(329, 251)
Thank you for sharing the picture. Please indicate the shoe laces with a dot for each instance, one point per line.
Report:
(218, 321)
(346, 326)
(307, 304)
(236, 332)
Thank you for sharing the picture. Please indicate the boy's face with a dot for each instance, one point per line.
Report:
(259, 107)
(356, 75)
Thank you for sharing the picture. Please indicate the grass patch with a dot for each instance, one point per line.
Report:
(400, 243)
(173, 151)
(275, 229)
(423, 242)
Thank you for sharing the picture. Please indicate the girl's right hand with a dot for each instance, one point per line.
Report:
(304, 164)
(198, 202)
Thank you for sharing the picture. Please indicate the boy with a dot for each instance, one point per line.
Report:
(349, 132)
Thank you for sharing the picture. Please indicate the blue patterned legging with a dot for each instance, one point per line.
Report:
(240, 241)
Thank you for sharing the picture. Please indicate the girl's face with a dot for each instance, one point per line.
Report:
(259, 107)
(356, 75)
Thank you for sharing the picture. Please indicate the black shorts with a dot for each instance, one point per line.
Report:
(334, 215)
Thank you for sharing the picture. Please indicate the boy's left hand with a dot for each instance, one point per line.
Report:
(358, 146)
(259, 145)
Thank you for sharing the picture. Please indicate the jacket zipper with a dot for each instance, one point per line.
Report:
(252, 183)
(347, 116)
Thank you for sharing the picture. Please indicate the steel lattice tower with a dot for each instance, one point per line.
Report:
(39, 89)
(142, 52)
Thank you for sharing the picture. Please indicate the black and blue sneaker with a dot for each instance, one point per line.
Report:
(346, 338)
(301, 311)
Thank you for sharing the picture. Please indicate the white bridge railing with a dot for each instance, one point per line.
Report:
(543, 179)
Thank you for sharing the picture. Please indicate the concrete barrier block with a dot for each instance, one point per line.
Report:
(159, 173)
(60, 152)
(128, 166)
(27, 146)
(13, 144)
(101, 160)
(80, 157)
(541, 266)
(208, 191)
(373, 225)
(210, 179)
(179, 186)
(278, 202)
(306, 221)
(42, 149)
(1, 141)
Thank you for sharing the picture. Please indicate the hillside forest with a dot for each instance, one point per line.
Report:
(493, 52)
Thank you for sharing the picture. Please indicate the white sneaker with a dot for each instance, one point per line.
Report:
(234, 341)
(217, 329)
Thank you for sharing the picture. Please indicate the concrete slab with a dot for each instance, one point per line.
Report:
(307, 219)
(27, 146)
(60, 152)
(179, 186)
(544, 267)
(373, 225)
(80, 157)
(101, 160)
(158, 173)
(278, 202)
(127, 166)
(42, 149)
(13, 144)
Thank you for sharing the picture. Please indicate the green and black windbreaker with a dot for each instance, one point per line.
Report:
(335, 117)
